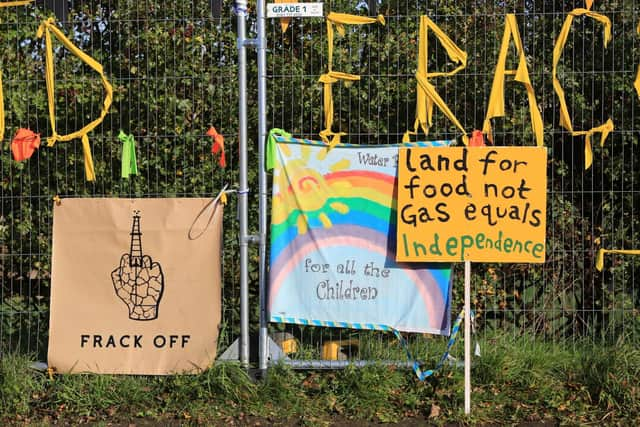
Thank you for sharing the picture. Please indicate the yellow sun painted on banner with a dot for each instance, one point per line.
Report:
(304, 189)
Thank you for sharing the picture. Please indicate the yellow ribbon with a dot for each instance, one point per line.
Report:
(427, 96)
(565, 119)
(602, 252)
(46, 28)
(521, 75)
(339, 20)
(636, 83)
(328, 79)
(50, 372)
(15, 3)
(284, 22)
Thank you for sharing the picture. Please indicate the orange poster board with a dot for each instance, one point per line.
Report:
(484, 204)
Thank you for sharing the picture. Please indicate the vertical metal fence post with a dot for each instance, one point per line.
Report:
(262, 181)
(467, 337)
(241, 11)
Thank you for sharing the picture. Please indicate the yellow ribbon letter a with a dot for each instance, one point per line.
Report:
(565, 119)
(46, 28)
(427, 95)
(521, 75)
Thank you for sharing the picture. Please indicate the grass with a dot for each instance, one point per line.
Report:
(515, 380)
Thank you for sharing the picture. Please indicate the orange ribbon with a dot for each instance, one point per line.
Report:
(477, 139)
(218, 145)
(24, 144)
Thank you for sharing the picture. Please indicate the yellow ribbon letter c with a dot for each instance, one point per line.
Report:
(565, 119)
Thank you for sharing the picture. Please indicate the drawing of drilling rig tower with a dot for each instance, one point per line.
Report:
(138, 280)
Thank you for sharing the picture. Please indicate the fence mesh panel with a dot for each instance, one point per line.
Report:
(173, 67)
(565, 299)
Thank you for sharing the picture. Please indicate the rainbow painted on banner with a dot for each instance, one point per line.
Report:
(333, 242)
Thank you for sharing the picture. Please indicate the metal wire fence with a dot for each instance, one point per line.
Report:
(565, 299)
(173, 68)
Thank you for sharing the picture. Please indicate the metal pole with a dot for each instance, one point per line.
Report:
(262, 181)
(241, 11)
(467, 337)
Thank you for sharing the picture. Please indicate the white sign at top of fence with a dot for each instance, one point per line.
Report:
(294, 10)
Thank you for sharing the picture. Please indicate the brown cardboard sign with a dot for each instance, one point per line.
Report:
(136, 285)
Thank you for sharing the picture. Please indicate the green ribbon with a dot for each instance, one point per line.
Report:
(271, 146)
(129, 164)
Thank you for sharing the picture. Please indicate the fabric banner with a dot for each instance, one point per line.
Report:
(333, 242)
(135, 285)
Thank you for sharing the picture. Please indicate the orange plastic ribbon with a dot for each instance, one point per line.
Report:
(477, 139)
(218, 145)
(24, 144)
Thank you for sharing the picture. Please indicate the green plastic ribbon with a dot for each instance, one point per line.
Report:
(271, 146)
(129, 164)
